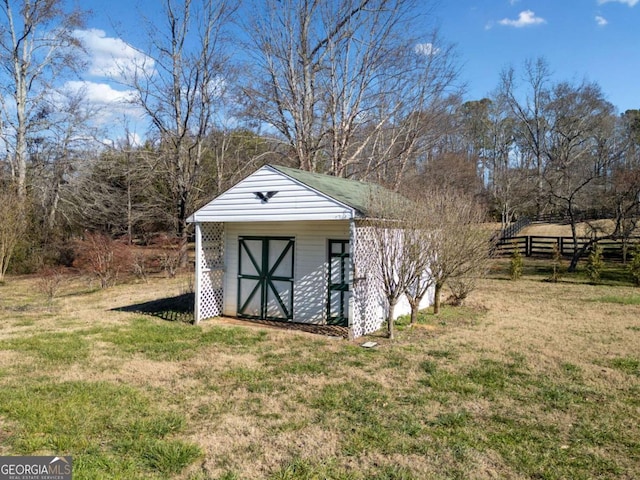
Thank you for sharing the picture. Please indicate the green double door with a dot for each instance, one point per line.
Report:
(265, 278)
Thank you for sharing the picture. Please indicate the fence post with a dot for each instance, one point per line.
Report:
(527, 245)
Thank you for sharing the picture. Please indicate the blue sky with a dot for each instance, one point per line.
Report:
(597, 40)
(591, 39)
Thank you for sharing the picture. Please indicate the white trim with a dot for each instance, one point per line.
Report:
(352, 243)
(198, 272)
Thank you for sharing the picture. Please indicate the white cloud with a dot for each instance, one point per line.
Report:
(526, 18)
(134, 139)
(631, 3)
(113, 107)
(101, 93)
(111, 57)
(601, 21)
(426, 49)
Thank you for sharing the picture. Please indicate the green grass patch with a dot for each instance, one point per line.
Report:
(619, 299)
(162, 340)
(305, 469)
(107, 428)
(295, 362)
(537, 450)
(429, 367)
(450, 420)
(572, 371)
(449, 354)
(24, 322)
(51, 348)
(494, 377)
(627, 365)
(448, 315)
(168, 457)
(442, 381)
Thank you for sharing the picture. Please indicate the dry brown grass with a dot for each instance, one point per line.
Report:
(564, 230)
(453, 399)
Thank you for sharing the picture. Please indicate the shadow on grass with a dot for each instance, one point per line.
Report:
(172, 309)
(181, 308)
(326, 330)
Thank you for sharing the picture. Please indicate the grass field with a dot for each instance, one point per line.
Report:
(530, 379)
(564, 230)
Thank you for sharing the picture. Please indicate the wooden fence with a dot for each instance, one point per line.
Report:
(514, 228)
(533, 245)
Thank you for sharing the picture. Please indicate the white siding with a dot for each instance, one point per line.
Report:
(403, 307)
(310, 270)
(293, 201)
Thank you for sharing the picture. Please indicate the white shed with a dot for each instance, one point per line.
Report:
(289, 245)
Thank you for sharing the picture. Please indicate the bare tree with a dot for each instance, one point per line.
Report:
(13, 223)
(342, 83)
(458, 242)
(616, 193)
(179, 89)
(37, 47)
(529, 118)
(56, 156)
(235, 152)
(112, 191)
(488, 130)
(418, 255)
(581, 150)
(393, 267)
(436, 237)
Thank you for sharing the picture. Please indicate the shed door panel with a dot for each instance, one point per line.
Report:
(338, 291)
(265, 278)
(250, 297)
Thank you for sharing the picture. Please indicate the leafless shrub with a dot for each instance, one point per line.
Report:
(170, 256)
(459, 243)
(170, 261)
(102, 257)
(188, 286)
(557, 268)
(50, 282)
(140, 266)
(460, 288)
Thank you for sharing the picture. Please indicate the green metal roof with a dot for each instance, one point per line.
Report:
(352, 193)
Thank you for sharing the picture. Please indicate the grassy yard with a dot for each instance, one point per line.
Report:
(530, 380)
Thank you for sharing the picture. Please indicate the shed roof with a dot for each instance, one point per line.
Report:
(354, 193)
(274, 193)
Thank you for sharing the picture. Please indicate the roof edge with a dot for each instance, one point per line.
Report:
(325, 195)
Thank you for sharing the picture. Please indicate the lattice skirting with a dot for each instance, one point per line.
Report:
(211, 262)
(368, 301)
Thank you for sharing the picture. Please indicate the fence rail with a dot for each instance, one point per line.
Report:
(514, 228)
(534, 245)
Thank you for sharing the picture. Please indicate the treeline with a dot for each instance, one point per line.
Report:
(355, 88)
